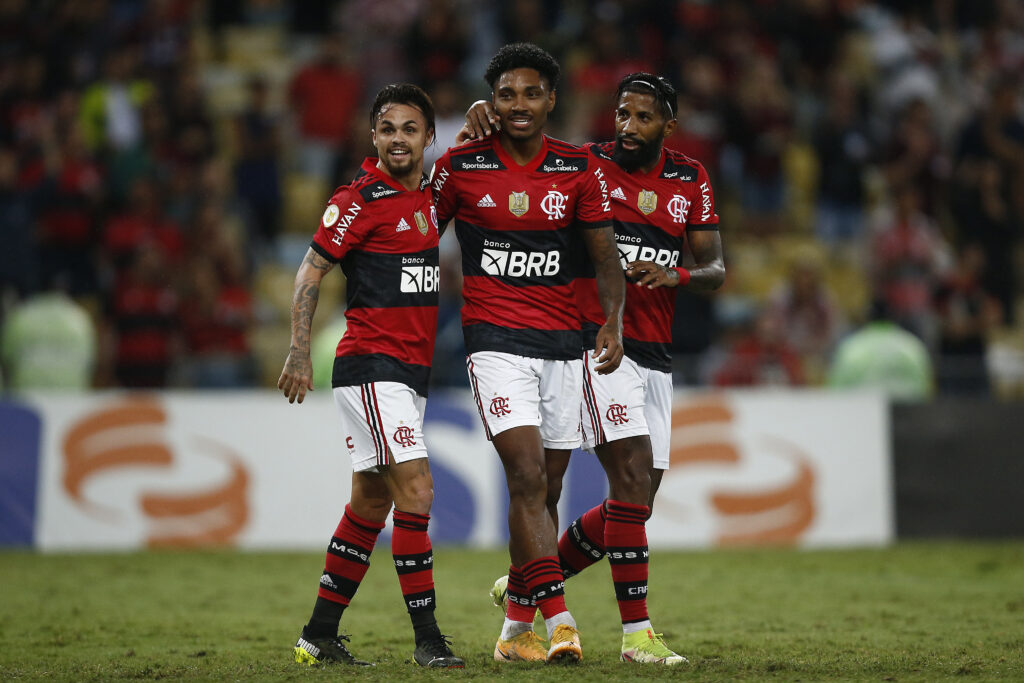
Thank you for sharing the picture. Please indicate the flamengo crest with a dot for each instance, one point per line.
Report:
(499, 406)
(554, 204)
(678, 208)
(519, 203)
(404, 436)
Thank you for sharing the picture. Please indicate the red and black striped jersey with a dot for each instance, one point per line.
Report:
(652, 212)
(385, 238)
(517, 227)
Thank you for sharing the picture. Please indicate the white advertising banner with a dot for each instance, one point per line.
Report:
(127, 470)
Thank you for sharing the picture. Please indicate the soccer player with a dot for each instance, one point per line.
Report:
(661, 200)
(522, 203)
(382, 229)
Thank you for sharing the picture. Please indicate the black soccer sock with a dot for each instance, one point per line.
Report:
(348, 558)
(424, 626)
(414, 562)
(324, 621)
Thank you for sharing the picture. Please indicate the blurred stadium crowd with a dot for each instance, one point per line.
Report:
(164, 163)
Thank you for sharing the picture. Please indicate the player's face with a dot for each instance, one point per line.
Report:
(640, 130)
(400, 136)
(522, 99)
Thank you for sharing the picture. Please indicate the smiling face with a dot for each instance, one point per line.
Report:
(640, 131)
(400, 136)
(522, 99)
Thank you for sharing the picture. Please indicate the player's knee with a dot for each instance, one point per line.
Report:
(371, 508)
(416, 496)
(631, 485)
(420, 502)
(527, 483)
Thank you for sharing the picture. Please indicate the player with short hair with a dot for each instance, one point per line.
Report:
(662, 201)
(522, 203)
(382, 229)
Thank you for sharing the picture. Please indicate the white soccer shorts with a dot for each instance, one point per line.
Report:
(632, 401)
(513, 391)
(378, 418)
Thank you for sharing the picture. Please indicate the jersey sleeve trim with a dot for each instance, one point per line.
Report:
(323, 252)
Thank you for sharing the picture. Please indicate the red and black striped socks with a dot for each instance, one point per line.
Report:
(546, 584)
(414, 562)
(625, 538)
(582, 543)
(348, 558)
(616, 529)
(521, 605)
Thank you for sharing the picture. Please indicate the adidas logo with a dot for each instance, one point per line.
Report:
(617, 193)
(325, 580)
(402, 225)
(486, 201)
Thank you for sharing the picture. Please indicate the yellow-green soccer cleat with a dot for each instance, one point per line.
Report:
(647, 647)
(565, 645)
(525, 647)
(499, 592)
(325, 651)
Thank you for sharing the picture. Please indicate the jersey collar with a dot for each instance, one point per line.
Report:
(370, 167)
(511, 164)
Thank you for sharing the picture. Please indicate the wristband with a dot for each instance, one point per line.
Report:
(684, 276)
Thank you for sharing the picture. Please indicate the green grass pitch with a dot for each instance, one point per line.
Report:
(912, 612)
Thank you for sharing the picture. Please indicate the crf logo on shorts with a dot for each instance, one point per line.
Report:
(499, 406)
(616, 414)
(404, 437)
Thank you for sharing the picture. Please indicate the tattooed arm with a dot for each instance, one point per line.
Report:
(611, 290)
(297, 376)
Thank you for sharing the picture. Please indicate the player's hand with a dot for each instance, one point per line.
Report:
(650, 274)
(464, 135)
(608, 349)
(297, 376)
(482, 120)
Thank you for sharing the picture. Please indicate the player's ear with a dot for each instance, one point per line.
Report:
(670, 128)
(430, 137)
(373, 136)
(551, 101)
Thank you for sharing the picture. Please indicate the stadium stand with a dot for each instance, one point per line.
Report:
(834, 127)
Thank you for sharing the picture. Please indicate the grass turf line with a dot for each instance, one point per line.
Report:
(913, 612)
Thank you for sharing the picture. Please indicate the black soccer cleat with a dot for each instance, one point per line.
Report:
(325, 651)
(436, 653)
